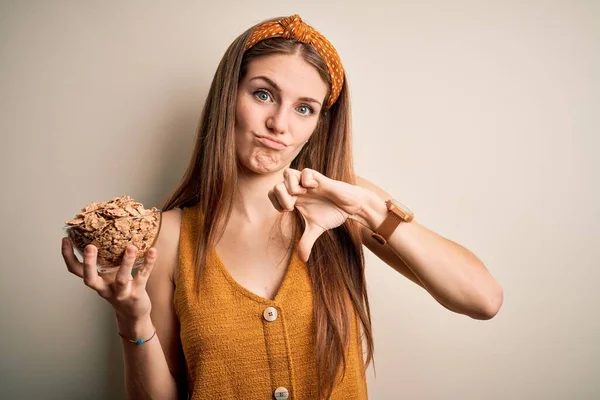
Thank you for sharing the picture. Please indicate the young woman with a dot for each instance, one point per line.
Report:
(255, 288)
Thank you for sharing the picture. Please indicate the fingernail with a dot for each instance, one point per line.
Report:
(129, 250)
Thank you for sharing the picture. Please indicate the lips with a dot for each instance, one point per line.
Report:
(271, 143)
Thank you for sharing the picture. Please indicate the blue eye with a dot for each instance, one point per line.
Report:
(305, 109)
(262, 95)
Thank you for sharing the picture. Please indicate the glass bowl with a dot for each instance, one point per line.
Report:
(114, 236)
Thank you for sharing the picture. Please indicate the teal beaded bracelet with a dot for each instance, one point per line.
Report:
(139, 342)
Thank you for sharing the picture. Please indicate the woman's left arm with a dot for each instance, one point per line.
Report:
(452, 274)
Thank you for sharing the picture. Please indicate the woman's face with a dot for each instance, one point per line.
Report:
(278, 106)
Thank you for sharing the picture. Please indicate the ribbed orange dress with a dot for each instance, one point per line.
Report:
(239, 345)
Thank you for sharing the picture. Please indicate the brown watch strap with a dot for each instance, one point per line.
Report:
(387, 227)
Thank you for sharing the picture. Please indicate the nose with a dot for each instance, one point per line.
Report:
(277, 121)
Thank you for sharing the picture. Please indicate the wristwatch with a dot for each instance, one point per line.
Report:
(397, 213)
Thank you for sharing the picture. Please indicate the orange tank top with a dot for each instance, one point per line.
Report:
(238, 345)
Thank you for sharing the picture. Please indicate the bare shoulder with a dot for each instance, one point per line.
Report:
(167, 244)
(161, 289)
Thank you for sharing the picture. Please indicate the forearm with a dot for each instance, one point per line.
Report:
(147, 374)
(453, 275)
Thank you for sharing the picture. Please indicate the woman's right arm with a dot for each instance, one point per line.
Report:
(155, 369)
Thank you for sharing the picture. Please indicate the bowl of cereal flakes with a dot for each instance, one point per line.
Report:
(111, 227)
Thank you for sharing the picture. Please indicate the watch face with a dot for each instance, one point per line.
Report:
(400, 209)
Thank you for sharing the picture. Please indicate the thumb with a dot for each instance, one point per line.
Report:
(308, 239)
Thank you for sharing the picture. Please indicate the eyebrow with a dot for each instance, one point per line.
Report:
(270, 82)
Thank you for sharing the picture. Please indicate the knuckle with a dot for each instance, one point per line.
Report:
(307, 172)
(121, 281)
(151, 256)
(135, 296)
(143, 275)
(88, 282)
(144, 271)
(120, 297)
(89, 258)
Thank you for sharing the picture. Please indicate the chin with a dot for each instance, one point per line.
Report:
(263, 165)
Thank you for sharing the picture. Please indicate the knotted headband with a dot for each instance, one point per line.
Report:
(293, 27)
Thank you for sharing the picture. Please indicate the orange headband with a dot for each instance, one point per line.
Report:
(293, 27)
